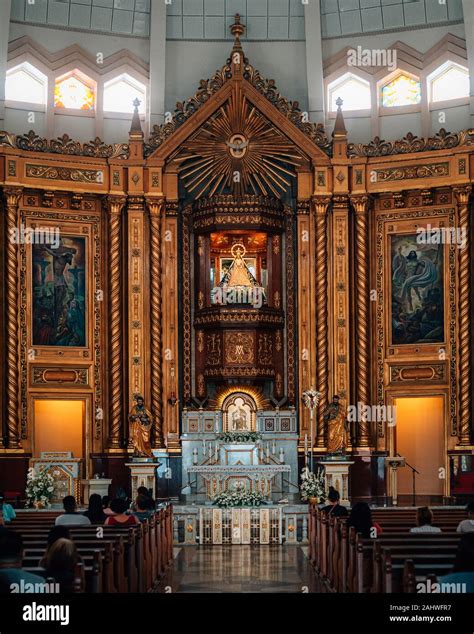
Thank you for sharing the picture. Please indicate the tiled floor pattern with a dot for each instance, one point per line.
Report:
(237, 569)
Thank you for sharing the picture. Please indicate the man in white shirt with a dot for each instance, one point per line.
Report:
(71, 517)
(467, 526)
(424, 521)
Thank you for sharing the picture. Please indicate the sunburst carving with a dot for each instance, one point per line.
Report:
(223, 392)
(237, 150)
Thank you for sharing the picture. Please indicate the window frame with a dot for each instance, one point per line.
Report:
(339, 80)
(124, 75)
(440, 70)
(83, 78)
(41, 75)
(397, 110)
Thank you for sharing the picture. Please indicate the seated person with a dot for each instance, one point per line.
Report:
(95, 512)
(150, 502)
(463, 569)
(56, 532)
(424, 520)
(120, 518)
(361, 519)
(142, 510)
(334, 508)
(6, 510)
(106, 501)
(11, 559)
(467, 526)
(71, 517)
(60, 563)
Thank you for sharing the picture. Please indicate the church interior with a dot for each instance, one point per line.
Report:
(236, 254)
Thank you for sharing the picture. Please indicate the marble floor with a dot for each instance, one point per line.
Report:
(237, 569)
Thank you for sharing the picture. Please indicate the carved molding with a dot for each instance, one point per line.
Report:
(32, 142)
(77, 175)
(408, 172)
(442, 140)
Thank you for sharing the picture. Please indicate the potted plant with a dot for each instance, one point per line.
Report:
(39, 488)
(238, 496)
(312, 486)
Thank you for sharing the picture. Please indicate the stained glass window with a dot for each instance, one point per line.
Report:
(26, 83)
(401, 91)
(121, 92)
(449, 81)
(73, 92)
(354, 92)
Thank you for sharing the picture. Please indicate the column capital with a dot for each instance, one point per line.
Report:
(12, 195)
(114, 204)
(155, 206)
(321, 204)
(360, 202)
(462, 193)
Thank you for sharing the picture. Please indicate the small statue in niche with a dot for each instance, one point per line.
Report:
(239, 419)
(335, 417)
(139, 420)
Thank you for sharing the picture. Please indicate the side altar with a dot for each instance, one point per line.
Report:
(265, 460)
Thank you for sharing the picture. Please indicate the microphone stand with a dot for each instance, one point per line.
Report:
(413, 472)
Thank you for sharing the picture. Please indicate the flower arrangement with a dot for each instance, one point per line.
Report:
(239, 436)
(39, 487)
(312, 484)
(238, 497)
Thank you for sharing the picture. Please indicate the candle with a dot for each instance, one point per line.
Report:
(306, 443)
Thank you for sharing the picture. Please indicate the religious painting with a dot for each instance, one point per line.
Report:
(59, 292)
(417, 291)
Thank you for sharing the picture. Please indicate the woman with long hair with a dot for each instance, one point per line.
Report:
(361, 519)
(95, 512)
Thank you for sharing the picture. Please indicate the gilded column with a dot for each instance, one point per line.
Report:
(12, 199)
(321, 205)
(170, 333)
(138, 348)
(305, 306)
(114, 208)
(464, 266)
(362, 299)
(155, 208)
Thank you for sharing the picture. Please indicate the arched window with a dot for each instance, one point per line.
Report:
(74, 90)
(120, 93)
(449, 81)
(26, 83)
(354, 91)
(403, 90)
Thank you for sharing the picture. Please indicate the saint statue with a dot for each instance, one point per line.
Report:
(335, 417)
(239, 420)
(139, 420)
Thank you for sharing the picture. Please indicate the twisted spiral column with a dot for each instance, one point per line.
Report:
(115, 205)
(156, 211)
(321, 204)
(464, 428)
(360, 204)
(12, 199)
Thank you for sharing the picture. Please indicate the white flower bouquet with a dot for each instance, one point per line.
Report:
(239, 436)
(238, 496)
(312, 484)
(39, 487)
